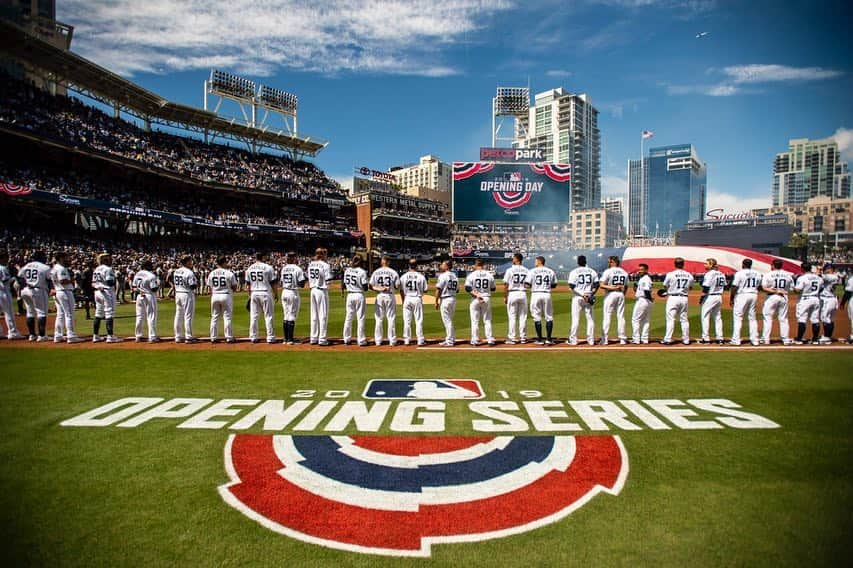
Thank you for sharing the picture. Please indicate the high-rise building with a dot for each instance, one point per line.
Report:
(595, 228)
(613, 204)
(672, 193)
(429, 173)
(565, 127)
(810, 168)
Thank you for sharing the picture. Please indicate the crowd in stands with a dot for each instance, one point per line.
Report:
(126, 195)
(68, 119)
(524, 242)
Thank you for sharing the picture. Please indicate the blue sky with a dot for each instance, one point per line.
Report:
(386, 82)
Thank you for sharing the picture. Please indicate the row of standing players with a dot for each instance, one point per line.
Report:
(817, 300)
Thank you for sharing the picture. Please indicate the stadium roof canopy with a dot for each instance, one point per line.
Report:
(80, 74)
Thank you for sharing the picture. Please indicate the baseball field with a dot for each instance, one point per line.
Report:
(726, 456)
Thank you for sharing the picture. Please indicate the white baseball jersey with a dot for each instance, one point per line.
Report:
(541, 279)
(59, 273)
(644, 284)
(5, 280)
(413, 284)
(778, 279)
(515, 277)
(809, 285)
(385, 277)
(583, 278)
(481, 282)
(185, 280)
(319, 274)
(103, 277)
(715, 281)
(260, 277)
(830, 281)
(35, 274)
(747, 281)
(292, 277)
(615, 276)
(447, 284)
(678, 282)
(849, 286)
(221, 281)
(355, 280)
(146, 282)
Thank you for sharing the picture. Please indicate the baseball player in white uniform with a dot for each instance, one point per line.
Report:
(584, 282)
(713, 285)
(808, 284)
(828, 303)
(354, 284)
(642, 314)
(541, 280)
(446, 288)
(319, 275)
(262, 279)
(744, 301)
(6, 302)
(777, 283)
(185, 284)
(145, 285)
(35, 277)
(63, 286)
(614, 281)
(845, 302)
(222, 284)
(480, 284)
(515, 298)
(384, 281)
(104, 283)
(413, 286)
(676, 286)
(292, 278)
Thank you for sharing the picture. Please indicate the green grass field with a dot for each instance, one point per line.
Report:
(148, 495)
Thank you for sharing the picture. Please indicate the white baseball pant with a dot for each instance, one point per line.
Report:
(640, 319)
(776, 306)
(481, 309)
(385, 308)
(105, 303)
(65, 322)
(809, 310)
(147, 311)
(613, 302)
(413, 307)
(222, 306)
(184, 312)
(849, 317)
(290, 303)
(261, 303)
(676, 308)
(355, 309)
(712, 309)
(516, 309)
(828, 307)
(745, 304)
(8, 314)
(448, 309)
(319, 314)
(581, 306)
(541, 305)
(35, 301)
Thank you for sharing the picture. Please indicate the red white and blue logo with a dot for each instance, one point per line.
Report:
(399, 495)
(423, 389)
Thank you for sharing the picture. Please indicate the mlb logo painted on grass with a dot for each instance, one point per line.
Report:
(424, 389)
(399, 495)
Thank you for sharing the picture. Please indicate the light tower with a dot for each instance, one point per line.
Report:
(509, 102)
(251, 98)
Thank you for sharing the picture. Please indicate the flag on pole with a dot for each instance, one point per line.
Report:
(648, 134)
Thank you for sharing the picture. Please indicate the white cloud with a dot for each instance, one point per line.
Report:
(736, 203)
(614, 186)
(246, 36)
(755, 73)
(558, 73)
(762, 73)
(844, 138)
